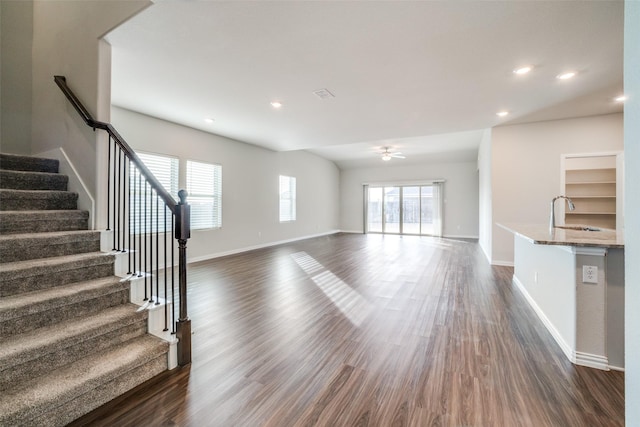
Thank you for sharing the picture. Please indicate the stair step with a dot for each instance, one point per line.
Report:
(21, 247)
(32, 275)
(21, 180)
(29, 311)
(67, 393)
(26, 356)
(28, 163)
(16, 222)
(23, 200)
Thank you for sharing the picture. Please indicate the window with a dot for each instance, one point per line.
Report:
(204, 185)
(143, 202)
(408, 209)
(287, 198)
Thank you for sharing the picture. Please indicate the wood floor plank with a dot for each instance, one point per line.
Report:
(367, 330)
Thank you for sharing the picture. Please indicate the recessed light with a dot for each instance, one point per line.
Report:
(620, 98)
(209, 120)
(567, 75)
(276, 104)
(502, 113)
(522, 70)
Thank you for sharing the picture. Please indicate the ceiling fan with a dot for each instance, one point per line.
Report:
(388, 155)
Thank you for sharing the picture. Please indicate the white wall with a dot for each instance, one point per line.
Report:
(632, 209)
(484, 193)
(16, 31)
(250, 205)
(547, 276)
(525, 168)
(66, 41)
(460, 193)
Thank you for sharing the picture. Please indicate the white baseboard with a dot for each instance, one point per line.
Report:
(502, 263)
(447, 236)
(486, 255)
(564, 346)
(252, 248)
(76, 184)
(577, 357)
(592, 361)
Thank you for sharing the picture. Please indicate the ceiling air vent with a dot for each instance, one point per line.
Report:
(323, 94)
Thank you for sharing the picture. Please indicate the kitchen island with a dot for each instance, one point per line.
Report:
(574, 280)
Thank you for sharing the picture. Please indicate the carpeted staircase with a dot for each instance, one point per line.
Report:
(70, 340)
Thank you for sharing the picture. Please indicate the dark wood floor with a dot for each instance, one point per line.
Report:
(357, 330)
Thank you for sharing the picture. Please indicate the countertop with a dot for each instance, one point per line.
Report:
(539, 234)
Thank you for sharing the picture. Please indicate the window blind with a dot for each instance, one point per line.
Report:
(144, 202)
(287, 198)
(204, 185)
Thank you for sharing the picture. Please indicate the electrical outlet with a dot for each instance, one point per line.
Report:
(589, 274)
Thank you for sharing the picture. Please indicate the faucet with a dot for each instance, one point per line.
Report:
(552, 216)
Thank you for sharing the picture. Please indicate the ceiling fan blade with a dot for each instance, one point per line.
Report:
(398, 156)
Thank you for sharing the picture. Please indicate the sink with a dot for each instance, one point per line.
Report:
(578, 228)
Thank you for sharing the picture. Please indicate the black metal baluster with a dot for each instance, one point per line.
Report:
(150, 272)
(166, 267)
(158, 250)
(140, 224)
(173, 275)
(122, 188)
(132, 214)
(129, 205)
(116, 198)
(109, 182)
(146, 232)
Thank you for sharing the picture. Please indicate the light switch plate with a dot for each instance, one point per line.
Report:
(589, 274)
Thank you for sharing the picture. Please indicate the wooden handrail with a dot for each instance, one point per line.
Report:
(61, 81)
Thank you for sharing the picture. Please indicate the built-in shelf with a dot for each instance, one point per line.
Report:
(589, 213)
(591, 182)
(593, 197)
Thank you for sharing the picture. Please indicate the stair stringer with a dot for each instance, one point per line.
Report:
(156, 310)
(76, 184)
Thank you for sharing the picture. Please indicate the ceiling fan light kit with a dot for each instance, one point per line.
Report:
(387, 155)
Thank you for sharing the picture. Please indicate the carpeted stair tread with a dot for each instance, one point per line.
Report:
(32, 302)
(20, 348)
(36, 274)
(27, 402)
(27, 312)
(34, 221)
(23, 180)
(27, 355)
(28, 163)
(26, 246)
(25, 200)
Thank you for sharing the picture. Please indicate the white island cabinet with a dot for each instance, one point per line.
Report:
(574, 280)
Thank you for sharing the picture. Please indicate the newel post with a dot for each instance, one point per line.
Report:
(183, 232)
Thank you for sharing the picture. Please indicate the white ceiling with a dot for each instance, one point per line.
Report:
(422, 77)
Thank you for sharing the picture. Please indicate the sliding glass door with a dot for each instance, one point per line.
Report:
(411, 210)
(374, 211)
(408, 209)
(427, 213)
(391, 211)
